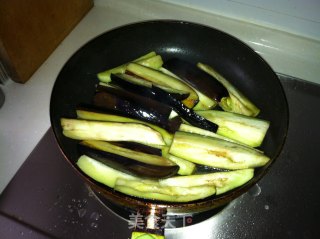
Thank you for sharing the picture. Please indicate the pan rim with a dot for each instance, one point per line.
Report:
(200, 204)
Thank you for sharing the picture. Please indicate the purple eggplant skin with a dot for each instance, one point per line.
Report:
(128, 165)
(112, 102)
(138, 147)
(153, 105)
(186, 113)
(196, 78)
(155, 112)
(116, 80)
(164, 97)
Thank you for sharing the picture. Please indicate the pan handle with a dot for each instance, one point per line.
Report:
(150, 223)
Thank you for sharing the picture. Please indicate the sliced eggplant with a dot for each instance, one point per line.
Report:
(129, 161)
(162, 96)
(195, 130)
(136, 186)
(185, 167)
(128, 153)
(101, 172)
(154, 62)
(196, 78)
(244, 129)
(150, 189)
(138, 147)
(133, 84)
(178, 94)
(112, 102)
(96, 115)
(187, 114)
(160, 78)
(215, 152)
(150, 59)
(133, 105)
(236, 102)
(223, 181)
(204, 102)
(111, 131)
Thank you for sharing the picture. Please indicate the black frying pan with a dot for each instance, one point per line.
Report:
(232, 58)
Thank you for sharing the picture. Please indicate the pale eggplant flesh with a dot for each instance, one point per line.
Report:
(127, 165)
(90, 113)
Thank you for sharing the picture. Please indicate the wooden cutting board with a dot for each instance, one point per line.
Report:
(31, 29)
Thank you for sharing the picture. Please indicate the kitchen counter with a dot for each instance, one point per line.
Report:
(24, 117)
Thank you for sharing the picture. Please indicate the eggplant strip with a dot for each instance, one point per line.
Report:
(128, 153)
(195, 130)
(90, 115)
(150, 59)
(209, 90)
(129, 161)
(196, 78)
(101, 172)
(138, 147)
(246, 130)
(185, 167)
(162, 109)
(132, 105)
(166, 80)
(109, 101)
(162, 96)
(204, 102)
(187, 114)
(237, 102)
(153, 190)
(111, 131)
(223, 181)
(137, 187)
(215, 152)
(180, 95)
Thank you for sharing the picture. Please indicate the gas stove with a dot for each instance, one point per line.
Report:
(47, 199)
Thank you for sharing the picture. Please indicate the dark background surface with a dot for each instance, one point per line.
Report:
(46, 198)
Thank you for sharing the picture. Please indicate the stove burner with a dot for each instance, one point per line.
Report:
(171, 220)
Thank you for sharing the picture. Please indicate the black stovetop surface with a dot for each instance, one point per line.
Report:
(46, 199)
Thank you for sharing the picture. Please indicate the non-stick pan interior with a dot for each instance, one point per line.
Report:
(236, 61)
